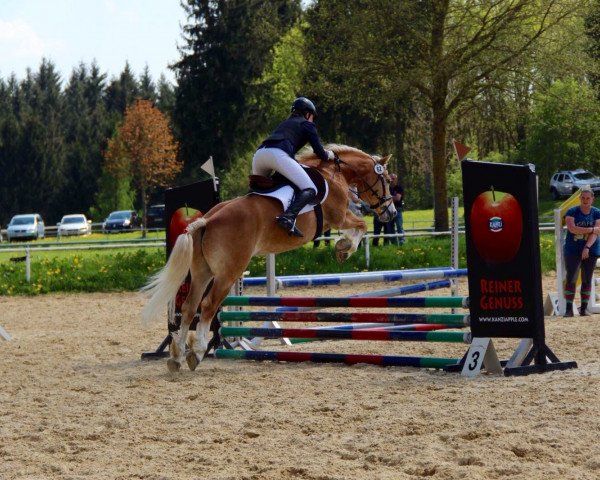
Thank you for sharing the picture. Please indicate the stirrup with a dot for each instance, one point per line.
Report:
(289, 225)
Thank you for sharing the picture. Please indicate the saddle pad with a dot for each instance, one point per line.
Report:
(284, 193)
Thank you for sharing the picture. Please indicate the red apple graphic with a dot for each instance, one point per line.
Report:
(180, 219)
(496, 226)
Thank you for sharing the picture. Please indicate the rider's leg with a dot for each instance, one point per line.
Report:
(288, 219)
(266, 159)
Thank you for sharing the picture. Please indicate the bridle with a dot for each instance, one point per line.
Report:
(378, 169)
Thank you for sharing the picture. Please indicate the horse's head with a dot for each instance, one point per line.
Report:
(369, 174)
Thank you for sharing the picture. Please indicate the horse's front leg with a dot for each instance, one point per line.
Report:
(353, 229)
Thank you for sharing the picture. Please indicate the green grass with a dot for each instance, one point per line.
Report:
(129, 269)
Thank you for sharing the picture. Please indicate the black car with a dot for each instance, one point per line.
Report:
(121, 220)
(155, 218)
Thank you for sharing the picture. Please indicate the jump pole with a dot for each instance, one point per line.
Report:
(354, 278)
(348, 359)
(349, 302)
(388, 292)
(330, 333)
(458, 320)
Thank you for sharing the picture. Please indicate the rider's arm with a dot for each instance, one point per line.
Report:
(576, 230)
(313, 139)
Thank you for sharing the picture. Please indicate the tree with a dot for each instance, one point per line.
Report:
(227, 45)
(143, 148)
(41, 154)
(121, 92)
(563, 130)
(87, 126)
(449, 51)
(147, 89)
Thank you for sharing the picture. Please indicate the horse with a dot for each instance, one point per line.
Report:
(217, 248)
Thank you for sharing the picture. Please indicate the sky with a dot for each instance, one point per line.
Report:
(111, 32)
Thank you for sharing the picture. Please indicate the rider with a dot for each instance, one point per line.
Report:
(277, 153)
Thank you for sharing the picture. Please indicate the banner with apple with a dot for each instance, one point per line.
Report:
(503, 250)
(183, 205)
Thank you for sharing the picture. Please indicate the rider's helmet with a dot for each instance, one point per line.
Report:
(304, 105)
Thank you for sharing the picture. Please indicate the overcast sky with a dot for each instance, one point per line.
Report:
(68, 32)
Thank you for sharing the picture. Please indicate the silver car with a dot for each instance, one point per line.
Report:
(75, 224)
(566, 182)
(27, 226)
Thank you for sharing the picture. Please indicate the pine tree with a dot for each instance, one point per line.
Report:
(227, 47)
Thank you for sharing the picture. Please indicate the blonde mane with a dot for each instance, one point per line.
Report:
(309, 154)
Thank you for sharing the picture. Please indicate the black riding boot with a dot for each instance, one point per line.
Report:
(569, 310)
(288, 219)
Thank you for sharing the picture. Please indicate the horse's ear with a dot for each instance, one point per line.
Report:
(385, 159)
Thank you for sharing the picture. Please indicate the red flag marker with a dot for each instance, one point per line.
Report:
(460, 150)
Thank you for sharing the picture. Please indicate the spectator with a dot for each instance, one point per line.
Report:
(397, 193)
(326, 233)
(355, 204)
(378, 226)
(581, 249)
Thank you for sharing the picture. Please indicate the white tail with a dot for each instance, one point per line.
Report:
(163, 286)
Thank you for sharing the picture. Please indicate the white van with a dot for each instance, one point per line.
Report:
(27, 226)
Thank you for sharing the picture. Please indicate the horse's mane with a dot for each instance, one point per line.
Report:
(309, 154)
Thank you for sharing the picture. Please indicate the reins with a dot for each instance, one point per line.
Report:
(380, 178)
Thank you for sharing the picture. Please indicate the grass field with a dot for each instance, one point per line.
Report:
(123, 269)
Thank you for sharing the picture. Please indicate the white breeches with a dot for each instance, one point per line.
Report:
(267, 159)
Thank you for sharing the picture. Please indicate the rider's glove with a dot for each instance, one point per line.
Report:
(330, 155)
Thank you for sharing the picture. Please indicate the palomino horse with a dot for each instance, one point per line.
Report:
(219, 246)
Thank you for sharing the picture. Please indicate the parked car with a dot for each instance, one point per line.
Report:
(121, 220)
(26, 226)
(566, 182)
(74, 224)
(155, 217)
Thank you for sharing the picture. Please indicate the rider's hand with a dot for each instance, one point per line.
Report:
(330, 155)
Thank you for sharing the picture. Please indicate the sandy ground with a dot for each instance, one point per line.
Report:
(76, 402)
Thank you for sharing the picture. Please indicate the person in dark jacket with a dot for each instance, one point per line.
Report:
(277, 153)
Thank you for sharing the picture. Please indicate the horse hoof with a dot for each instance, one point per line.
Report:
(341, 257)
(342, 248)
(173, 365)
(343, 245)
(192, 360)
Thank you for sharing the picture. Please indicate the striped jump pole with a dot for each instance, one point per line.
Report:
(349, 302)
(349, 359)
(330, 333)
(388, 292)
(456, 319)
(373, 327)
(359, 277)
(407, 289)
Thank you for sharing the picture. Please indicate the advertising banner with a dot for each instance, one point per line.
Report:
(183, 205)
(503, 250)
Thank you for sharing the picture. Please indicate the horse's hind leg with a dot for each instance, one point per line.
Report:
(201, 276)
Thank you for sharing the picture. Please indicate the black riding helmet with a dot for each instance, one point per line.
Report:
(303, 105)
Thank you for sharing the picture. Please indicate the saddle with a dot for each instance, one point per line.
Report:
(261, 184)
(279, 187)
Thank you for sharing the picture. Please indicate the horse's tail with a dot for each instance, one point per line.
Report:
(163, 286)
